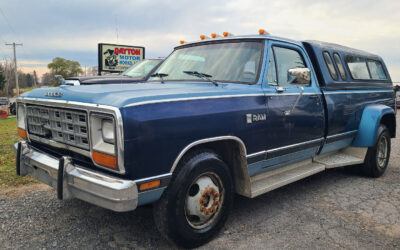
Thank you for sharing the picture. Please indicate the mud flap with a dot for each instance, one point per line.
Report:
(18, 159)
(60, 178)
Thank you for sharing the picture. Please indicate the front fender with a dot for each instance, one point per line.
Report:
(369, 124)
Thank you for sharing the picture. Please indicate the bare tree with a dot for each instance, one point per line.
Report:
(47, 79)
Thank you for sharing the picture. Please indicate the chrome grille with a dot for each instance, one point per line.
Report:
(61, 125)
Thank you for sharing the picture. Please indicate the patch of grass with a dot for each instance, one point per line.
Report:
(9, 136)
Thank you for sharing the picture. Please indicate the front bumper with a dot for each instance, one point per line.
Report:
(72, 181)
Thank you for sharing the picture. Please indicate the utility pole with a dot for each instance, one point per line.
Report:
(15, 63)
(34, 79)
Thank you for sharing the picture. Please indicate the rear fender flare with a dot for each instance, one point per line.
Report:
(369, 124)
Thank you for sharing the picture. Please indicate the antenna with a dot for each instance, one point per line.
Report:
(116, 26)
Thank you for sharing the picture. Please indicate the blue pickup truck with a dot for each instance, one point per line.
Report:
(221, 116)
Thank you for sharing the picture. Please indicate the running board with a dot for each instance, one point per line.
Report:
(345, 157)
(274, 179)
(279, 177)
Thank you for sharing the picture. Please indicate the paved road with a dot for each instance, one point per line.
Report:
(329, 210)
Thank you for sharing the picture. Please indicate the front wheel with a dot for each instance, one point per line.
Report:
(377, 157)
(197, 202)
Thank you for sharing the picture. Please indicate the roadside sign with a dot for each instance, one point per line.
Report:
(118, 58)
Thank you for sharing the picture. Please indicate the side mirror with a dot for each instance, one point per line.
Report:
(299, 76)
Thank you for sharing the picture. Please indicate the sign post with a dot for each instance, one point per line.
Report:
(118, 58)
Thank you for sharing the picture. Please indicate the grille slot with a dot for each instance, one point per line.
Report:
(61, 125)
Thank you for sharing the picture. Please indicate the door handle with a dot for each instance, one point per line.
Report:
(280, 89)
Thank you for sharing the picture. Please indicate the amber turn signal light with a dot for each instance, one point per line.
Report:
(149, 185)
(104, 159)
(22, 133)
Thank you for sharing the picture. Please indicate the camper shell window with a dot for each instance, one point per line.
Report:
(376, 70)
(331, 67)
(365, 69)
(339, 65)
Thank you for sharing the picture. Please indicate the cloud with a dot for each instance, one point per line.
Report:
(72, 29)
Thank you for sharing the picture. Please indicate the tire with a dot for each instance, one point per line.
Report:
(197, 202)
(377, 157)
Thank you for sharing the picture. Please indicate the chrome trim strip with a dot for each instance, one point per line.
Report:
(188, 99)
(153, 177)
(292, 94)
(209, 97)
(342, 134)
(219, 138)
(89, 107)
(283, 148)
(256, 154)
(294, 145)
(332, 92)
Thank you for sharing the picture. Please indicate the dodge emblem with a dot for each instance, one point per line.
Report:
(54, 94)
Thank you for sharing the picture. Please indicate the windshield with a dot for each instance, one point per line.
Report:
(222, 62)
(141, 68)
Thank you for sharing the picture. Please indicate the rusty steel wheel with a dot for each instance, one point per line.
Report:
(377, 158)
(197, 201)
(203, 200)
(382, 151)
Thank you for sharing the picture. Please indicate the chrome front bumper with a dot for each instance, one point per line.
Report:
(72, 181)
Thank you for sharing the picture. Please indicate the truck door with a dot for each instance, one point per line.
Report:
(296, 114)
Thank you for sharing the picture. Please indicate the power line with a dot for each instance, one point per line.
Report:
(12, 29)
(9, 25)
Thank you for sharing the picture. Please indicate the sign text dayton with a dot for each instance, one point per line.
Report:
(118, 58)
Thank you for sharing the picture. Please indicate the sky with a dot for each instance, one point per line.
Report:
(72, 29)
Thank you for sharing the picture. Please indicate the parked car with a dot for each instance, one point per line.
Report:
(244, 115)
(139, 72)
(4, 101)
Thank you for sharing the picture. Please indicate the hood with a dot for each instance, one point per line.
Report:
(120, 95)
(107, 79)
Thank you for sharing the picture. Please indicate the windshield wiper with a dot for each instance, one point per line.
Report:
(201, 75)
(160, 75)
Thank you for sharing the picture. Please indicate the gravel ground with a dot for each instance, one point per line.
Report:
(331, 210)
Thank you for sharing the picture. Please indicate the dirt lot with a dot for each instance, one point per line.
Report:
(329, 210)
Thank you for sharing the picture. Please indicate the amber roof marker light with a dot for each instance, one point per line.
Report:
(226, 34)
(182, 42)
(204, 37)
(263, 32)
(215, 35)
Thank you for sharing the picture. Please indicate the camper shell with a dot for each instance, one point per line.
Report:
(345, 78)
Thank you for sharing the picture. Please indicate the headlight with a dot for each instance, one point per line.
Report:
(21, 116)
(108, 131)
(21, 123)
(103, 139)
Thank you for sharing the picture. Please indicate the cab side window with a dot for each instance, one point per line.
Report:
(286, 59)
